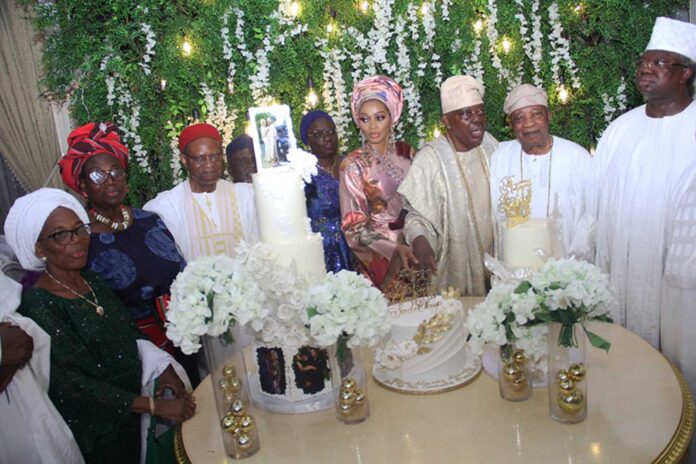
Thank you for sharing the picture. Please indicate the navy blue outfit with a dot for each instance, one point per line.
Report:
(324, 212)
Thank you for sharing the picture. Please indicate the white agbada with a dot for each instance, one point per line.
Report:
(177, 208)
(569, 163)
(636, 175)
(31, 428)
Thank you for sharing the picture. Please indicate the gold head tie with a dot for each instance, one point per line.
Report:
(515, 200)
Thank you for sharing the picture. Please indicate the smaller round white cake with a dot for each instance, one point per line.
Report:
(426, 350)
(521, 242)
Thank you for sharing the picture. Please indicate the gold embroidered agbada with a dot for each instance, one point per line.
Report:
(458, 226)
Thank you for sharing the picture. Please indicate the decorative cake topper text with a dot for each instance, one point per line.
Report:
(515, 200)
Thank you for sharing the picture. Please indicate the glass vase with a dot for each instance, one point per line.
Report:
(350, 383)
(514, 377)
(230, 389)
(567, 373)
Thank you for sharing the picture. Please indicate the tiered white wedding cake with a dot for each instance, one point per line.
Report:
(426, 350)
(283, 223)
(289, 378)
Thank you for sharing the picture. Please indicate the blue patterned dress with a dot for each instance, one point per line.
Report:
(324, 212)
(139, 264)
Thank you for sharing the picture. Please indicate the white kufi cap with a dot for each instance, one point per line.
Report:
(673, 36)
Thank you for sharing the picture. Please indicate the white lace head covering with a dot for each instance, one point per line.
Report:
(673, 36)
(27, 217)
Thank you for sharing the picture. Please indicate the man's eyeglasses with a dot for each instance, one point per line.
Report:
(64, 237)
(662, 64)
(323, 134)
(201, 160)
(99, 177)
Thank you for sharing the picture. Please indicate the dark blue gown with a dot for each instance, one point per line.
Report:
(324, 212)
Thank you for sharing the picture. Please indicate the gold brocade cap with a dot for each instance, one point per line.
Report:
(515, 200)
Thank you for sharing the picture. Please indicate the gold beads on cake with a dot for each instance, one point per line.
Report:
(352, 402)
(237, 421)
(571, 398)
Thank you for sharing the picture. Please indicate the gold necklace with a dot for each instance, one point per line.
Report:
(329, 171)
(470, 198)
(97, 308)
(548, 190)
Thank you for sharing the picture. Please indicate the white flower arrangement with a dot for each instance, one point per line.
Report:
(512, 312)
(304, 163)
(272, 302)
(347, 304)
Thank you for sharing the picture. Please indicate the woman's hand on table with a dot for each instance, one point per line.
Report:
(177, 409)
(170, 379)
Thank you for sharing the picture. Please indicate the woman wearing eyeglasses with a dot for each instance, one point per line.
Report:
(131, 249)
(318, 132)
(103, 372)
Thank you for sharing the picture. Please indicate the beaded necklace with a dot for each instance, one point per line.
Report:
(117, 226)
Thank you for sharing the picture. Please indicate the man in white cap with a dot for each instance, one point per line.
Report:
(447, 193)
(641, 173)
(557, 167)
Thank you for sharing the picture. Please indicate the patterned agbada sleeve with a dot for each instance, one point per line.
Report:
(423, 192)
(357, 226)
(93, 383)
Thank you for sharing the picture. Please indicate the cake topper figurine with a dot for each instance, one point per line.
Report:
(515, 200)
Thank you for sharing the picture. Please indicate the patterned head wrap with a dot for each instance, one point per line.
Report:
(27, 217)
(307, 121)
(379, 88)
(87, 141)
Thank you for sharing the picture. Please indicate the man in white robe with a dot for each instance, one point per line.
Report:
(206, 214)
(637, 174)
(447, 193)
(557, 167)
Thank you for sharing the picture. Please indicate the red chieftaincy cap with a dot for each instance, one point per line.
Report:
(197, 131)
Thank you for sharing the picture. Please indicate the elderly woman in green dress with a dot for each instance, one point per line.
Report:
(99, 359)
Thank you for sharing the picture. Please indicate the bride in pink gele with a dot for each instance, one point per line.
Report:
(371, 209)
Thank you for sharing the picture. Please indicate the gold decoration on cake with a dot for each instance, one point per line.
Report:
(571, 398)
(432, 330)
(515, 200)
(352, 401)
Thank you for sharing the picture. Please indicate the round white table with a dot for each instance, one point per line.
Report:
(640, 411)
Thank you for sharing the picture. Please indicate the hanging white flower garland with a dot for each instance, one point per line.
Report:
(560, 50)
(414, 114)
(336, 98)
(533, 48)
(227, 51)
(218, 113)
(149, 48)
(127, 113)
(492, 34)
(174, 160)
(615, 104)
(380, 36)
(428, 21)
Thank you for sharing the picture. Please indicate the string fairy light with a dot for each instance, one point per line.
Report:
(478, 26)
(186, 47)
(365, 6)
(507, 45)
(294, 9)
(312, 98)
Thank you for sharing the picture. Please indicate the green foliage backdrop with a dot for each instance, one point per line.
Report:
(93, 44)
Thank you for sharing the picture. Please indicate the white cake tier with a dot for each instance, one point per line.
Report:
(290, 379)
(447, 356)
(281, 206)
(521, 242)
(308, 255)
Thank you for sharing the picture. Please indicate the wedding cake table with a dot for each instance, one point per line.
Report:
(640, 411)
